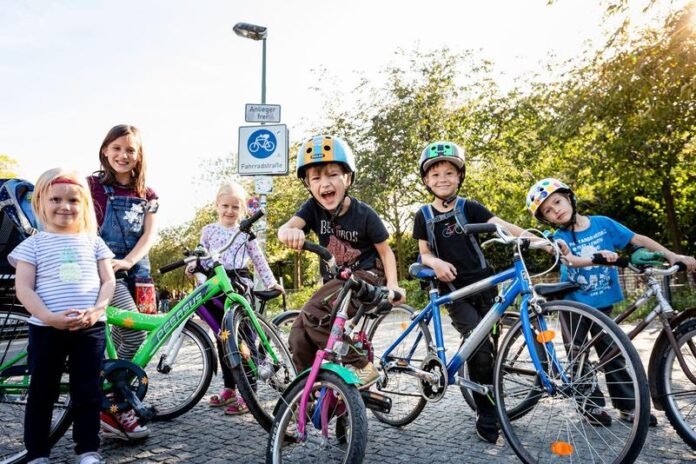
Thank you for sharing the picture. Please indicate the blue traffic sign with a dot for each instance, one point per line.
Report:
(262, 143)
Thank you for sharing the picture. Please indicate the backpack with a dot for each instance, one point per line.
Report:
(17, 222)
(460, 217)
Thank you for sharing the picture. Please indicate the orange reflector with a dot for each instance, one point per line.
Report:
(561, 448)
(545, 336)
(404, 325)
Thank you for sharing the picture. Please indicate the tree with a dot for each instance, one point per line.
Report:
(7, 166)
(635, 112)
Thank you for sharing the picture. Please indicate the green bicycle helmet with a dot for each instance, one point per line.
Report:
(322, 149)
(442, 151)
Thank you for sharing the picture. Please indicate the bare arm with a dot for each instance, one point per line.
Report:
(291, 233)
(386, 255)
(445, 272)
(672, 257)
(106, 291)
(517, 231)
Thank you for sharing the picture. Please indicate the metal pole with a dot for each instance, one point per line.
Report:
(261, 233)
(263, 73)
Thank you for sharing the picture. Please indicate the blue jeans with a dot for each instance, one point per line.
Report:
(48, 350)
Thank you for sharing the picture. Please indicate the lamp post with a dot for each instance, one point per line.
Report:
(255, 32)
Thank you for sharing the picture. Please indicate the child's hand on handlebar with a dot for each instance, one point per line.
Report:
(401, 291)
(292, 237)
(688, 261)
(190, 269)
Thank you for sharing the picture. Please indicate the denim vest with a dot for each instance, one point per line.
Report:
(124, 219)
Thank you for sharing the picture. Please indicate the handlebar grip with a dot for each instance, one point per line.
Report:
(170, 267)
(248, 222)
(396, 296)
(680, 265)
(317, 249)
(598, 258)
(480, 228)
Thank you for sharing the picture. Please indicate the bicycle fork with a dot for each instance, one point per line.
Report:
(171, 350)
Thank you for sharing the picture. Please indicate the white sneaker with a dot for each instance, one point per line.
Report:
(123, 426)
(91, 457)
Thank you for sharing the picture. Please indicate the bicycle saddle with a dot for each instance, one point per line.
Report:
(555, 291)
(265, 295)
(421, 271)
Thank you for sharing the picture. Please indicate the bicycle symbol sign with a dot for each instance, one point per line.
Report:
(262, 143)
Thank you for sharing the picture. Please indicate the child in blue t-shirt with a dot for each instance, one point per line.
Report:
(553, 202)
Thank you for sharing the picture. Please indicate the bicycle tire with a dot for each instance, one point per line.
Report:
(349, 424)
(284, 322)
(175, 391)
(13, 339)
(260, 380)
(403, 389)
(561, 414)
(674, 387)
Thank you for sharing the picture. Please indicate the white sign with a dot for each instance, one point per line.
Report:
(263, 150)
(263, 185)
(261, 113)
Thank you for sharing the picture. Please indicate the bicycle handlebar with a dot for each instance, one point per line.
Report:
(244, 226)
(483, 228)
(170, 267)
(622, 262)
(319, 250)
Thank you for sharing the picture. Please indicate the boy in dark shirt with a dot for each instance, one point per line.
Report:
(458, 261)
(352, 232)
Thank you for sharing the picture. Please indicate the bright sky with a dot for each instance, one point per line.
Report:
(72, 69)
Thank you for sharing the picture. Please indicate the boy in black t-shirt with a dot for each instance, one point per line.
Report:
(458, 261)
(351, 231)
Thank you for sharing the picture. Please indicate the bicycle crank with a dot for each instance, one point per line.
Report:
(433, 390)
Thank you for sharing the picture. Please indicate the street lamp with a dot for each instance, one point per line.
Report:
(254, 32)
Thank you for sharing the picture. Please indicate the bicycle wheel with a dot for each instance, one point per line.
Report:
(284, 322)
(678, 393)
(345, 439)
(175, 386)
(14, 383)
(403, 388)
(261, 380)
(586, 356)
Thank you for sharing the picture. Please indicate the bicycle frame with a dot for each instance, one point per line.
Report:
(519, 285)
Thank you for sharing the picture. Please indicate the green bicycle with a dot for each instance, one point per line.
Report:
(178, 354)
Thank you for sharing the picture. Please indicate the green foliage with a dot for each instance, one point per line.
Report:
(8, 165)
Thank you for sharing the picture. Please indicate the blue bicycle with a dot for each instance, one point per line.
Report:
(552, 369)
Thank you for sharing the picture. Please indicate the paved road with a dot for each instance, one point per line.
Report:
(444, 433)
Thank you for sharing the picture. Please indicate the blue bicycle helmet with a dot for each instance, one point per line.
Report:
(325, 149)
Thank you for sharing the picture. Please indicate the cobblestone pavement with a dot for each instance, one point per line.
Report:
(444, 433)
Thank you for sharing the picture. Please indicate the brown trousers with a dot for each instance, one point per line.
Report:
(310, 331)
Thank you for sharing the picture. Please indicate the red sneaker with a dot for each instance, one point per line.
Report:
(123, 426)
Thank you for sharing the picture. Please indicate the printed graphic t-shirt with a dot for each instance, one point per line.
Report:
(599, 285)
(352, 238)
(66, 269)
(452, 245)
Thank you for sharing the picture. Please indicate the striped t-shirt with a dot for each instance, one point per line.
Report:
(66, 268)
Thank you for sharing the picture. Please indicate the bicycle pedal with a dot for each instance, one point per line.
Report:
(376, 401)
